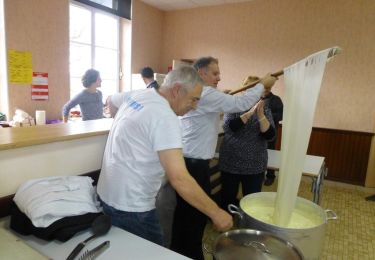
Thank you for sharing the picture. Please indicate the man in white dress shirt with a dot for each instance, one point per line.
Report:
(200, 128)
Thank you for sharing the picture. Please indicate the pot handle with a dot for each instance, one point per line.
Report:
(206, 248)
(235, 210)
(331, 215)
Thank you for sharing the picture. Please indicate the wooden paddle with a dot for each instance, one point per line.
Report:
(253, 83)
(331, 54)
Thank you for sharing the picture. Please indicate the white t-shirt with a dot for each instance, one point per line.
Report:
(131, 172)
(200, 127)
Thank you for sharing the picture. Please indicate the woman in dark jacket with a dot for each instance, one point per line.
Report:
(243, 153)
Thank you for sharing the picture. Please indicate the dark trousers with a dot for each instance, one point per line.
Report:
(230, 182)
(271, 173)
(188, 222)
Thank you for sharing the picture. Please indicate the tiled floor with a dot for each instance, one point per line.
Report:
(352, 236)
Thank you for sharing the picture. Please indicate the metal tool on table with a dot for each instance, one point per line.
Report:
(93, 253)
(100, 226)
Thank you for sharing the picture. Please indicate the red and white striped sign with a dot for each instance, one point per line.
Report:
(39, 87)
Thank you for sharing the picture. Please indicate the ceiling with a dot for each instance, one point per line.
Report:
(169, 5)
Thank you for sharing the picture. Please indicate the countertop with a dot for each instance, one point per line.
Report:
(123, 245)
(17, 137)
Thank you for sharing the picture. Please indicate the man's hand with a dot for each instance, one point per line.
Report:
(248, 80)
(222, 220)
(268, 81)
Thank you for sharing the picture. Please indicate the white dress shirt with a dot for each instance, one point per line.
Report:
(200, 127)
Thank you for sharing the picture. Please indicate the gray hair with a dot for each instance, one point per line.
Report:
(204, 62)
(187, 76)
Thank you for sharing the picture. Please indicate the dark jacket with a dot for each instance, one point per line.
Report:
(276, 106)
(153, 84)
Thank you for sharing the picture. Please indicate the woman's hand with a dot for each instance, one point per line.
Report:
(246, 116)
(260, 109)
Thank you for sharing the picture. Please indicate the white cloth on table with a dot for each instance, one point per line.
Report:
(47, 200)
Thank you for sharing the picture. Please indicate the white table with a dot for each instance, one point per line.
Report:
(123, 245)
(314, 167)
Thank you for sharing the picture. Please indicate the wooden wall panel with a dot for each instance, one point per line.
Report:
(346, 153)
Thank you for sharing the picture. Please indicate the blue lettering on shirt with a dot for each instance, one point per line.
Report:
(134, 104)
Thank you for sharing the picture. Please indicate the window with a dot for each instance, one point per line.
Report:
(121, 8)
(107, 3)
(94, 43)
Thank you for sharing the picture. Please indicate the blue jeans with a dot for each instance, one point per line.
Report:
(143, 224)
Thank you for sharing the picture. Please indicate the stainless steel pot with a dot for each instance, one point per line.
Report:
(245, 244)
(309, 240)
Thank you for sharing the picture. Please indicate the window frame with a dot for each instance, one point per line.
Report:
(122, 7)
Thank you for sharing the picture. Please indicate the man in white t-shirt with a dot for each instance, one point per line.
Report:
(143, 145)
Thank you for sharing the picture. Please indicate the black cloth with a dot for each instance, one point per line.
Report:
(276, 106)
(188, 222)
(250, 184)
(153, 84)
(62, 229)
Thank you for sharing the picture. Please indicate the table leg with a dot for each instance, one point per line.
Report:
(317, 183)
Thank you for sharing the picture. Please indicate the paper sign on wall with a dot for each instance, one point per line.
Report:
(39, 87)
(20, 67)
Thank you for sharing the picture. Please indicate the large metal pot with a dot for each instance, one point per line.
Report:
(245, 244)
(309, 240)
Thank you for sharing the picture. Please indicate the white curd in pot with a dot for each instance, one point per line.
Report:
(299, 220)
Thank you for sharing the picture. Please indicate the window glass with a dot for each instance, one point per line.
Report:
(77, 86)
(108, 85)
(105, 63)
(80, 24)
(106, 31)
(80, 59)
(107, 3)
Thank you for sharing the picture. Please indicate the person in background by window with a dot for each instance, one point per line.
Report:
(148, 77)
(276, 106)
(89, 100)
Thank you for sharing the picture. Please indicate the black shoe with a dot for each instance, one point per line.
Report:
(371, 198)
(269, 181)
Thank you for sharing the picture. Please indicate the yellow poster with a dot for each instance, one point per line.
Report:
(20, 67)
